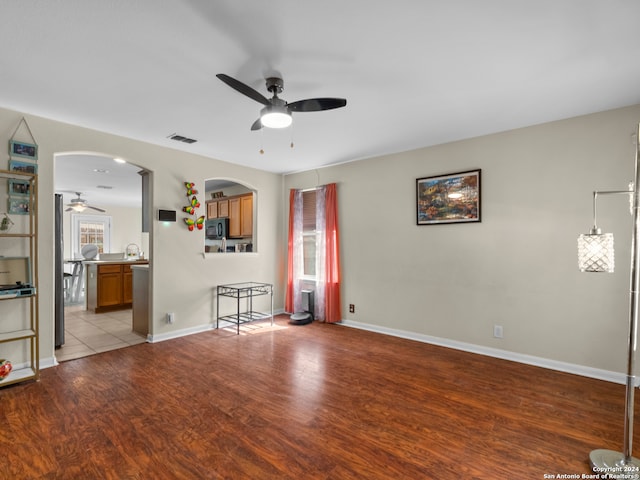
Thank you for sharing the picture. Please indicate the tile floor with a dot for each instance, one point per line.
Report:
(87, 333)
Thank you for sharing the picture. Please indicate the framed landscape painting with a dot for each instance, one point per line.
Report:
(451, 198)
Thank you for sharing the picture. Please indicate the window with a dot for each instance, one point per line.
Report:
(309, 232)
(90, 229)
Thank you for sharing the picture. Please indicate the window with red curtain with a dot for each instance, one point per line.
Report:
(314, 251)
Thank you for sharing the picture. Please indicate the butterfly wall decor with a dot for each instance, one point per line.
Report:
(191, 208)
(191, 223)
(190, 189)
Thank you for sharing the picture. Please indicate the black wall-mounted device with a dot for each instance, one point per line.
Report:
(167, 215)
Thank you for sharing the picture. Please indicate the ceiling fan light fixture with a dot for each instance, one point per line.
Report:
(275, 116)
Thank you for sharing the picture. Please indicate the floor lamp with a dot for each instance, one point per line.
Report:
(595, 254)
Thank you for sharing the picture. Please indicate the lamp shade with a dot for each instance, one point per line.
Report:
(595, 252)
(275, 116)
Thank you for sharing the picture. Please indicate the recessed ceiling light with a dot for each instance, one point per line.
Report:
(119, 160)
(100, 170)
(105, 187)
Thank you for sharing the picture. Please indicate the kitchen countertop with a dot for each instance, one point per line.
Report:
(129, 262)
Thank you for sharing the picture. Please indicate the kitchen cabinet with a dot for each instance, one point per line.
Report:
(241, 216)
(212, 209)
(234, 217)
(19, 328)
(223, 208)
(246, 215)
(127, 284)
(217, 208)
(110, 285)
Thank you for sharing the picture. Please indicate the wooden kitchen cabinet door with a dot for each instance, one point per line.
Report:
(109, 288)
(246, 214)
(234, 217)
(223, 208)
(212, 209)
(127, 285)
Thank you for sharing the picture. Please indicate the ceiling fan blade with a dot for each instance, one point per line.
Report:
(316, 104)
(96, 208)
(68, 209)
(244, 89)
(257, 125)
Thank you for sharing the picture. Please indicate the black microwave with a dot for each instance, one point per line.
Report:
(216, 228)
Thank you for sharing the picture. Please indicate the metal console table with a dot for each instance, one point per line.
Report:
(246, 290)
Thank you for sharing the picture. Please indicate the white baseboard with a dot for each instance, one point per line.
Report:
(48, 362)
(190, 331)
(161, 337)
(590, 372)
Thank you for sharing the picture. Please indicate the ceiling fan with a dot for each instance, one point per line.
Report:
(277, 112)
(80, 205)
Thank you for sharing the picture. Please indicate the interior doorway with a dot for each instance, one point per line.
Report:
(111, 189)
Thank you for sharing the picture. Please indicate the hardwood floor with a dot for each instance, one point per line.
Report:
(303, 402)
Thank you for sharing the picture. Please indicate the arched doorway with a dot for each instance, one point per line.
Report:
(112, 210)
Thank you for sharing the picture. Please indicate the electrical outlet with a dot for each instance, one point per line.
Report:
(497, 331)
(352, 308)
(171, 317)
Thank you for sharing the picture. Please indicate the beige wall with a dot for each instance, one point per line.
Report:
(183, 278)
(518, 267)
(126, 228)
(447, 283)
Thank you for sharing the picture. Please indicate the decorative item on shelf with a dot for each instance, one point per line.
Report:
(133, 251)
(5, 368)
(215, 195)
(6, 223)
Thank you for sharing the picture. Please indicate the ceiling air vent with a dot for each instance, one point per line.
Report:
(180, 138)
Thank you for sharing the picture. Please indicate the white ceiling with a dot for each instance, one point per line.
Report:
(99, 180)
(414, 72)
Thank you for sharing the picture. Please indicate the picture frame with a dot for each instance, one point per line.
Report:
(19, 188)
(18, 206)
(23, 150)
(450, 198)
(23, 167)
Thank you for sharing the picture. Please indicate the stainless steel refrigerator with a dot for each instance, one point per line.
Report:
(59, 272)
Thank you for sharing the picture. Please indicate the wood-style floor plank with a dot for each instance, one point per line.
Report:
(303, 402)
